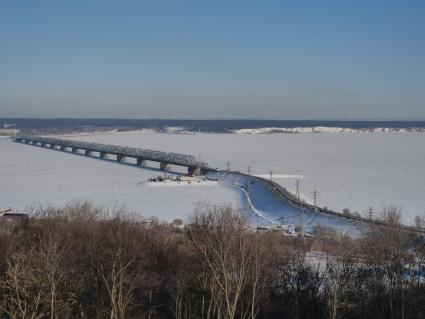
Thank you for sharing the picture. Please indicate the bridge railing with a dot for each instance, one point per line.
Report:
(144, 154)
(283, 194)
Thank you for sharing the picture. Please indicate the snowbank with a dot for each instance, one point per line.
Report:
(324, 129)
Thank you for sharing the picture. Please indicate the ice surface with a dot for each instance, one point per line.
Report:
(352, 171)
(348, 170)
(32, 176)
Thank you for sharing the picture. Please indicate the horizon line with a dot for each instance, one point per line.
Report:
(214, 119)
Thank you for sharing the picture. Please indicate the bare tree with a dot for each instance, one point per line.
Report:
(23, 287)
(387, 246)
(119, 248)
(338, 271)
(218, 235)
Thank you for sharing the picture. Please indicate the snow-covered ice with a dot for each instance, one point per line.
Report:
(32, 176)
(348, 170)
(352, 171)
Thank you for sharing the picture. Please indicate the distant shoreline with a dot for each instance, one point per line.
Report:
(90, 126)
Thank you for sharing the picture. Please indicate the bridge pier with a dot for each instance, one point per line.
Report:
(164, 166)
(87, 152)
(141, 162)
(194, 171)
(120, 158)
(62, 148)
(103, 155)
(74, 150)
(52, 146)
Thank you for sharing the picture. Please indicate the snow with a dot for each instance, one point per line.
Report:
(266, 210)
(323, 129)
(352, 171)
(180, 184)
(274, 176)
(32, 176)
(348, 170)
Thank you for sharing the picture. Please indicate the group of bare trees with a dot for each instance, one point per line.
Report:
(80, 262)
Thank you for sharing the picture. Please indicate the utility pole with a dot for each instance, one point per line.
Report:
(228, 165)
(298, 189)
(249, 170)
(370, 212)
(199, 165)
(271, 175)
(302, 233)
(315, 197)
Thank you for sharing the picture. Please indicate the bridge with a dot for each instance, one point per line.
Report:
(165, 159)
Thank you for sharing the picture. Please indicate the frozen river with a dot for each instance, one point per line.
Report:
(354, 171)
(33, 177)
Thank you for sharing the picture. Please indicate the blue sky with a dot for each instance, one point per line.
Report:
(213, 59)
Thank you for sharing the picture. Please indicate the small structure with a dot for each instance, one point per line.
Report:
(8, 217)
(5, 210)
(9, 131)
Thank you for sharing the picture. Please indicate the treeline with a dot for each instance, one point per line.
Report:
(78, 262)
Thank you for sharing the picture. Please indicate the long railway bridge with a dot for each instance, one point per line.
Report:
(194, 167)
(165, 159)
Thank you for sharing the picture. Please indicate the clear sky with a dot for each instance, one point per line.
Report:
(359, 59)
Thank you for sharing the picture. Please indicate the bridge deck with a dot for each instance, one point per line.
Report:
(143, 154)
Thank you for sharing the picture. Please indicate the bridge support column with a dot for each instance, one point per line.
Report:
(73, 150)
(194, 171)
(52, 146)
(141, 162)
(103, 155)
(87, 152)
(120, 158)
(62, 148)
(164, 166)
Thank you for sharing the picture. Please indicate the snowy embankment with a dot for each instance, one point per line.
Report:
(265, 209)
(263, 130)
(325, 129)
